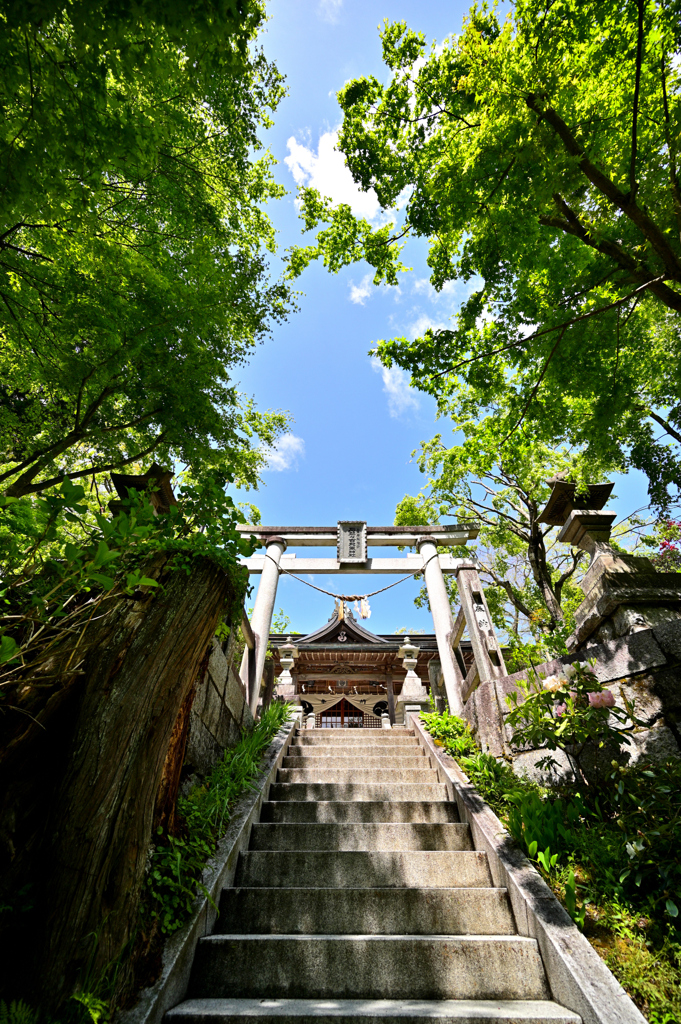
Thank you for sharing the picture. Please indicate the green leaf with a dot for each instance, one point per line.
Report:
(672, 908)
(104, 581)
(8, 649)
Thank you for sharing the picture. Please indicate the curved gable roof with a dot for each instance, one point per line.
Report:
(329, 632)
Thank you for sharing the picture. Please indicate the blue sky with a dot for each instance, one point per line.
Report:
(356, 424)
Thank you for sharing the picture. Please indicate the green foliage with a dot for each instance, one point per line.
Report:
(610, 852)
(568, 712)
(177, 861)
(450, 732)
(57, 583)
(17, 1012)
(532, 582)
(133, 237)
(539, 157)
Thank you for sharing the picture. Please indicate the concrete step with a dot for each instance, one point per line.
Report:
(368, 967)
(358, 790)
(366, 911)
(375, 1011)
(361, 870)
(358, 810)
(332, 762)
(361, 737)
(367, 836)
(379, 750)
(376, 775)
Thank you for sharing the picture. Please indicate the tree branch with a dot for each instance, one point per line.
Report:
(623, 201)
(634, 268)
(558, 586)
(536, 386)
(43, 484)
(633, 187)
(667, 426)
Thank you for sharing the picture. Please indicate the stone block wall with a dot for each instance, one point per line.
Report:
(219, 715)
(645, 666)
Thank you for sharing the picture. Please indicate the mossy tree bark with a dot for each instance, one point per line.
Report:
(139, 679)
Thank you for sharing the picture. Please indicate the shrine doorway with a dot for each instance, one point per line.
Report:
(345, 715)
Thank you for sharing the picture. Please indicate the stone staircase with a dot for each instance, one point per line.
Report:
(361, 897)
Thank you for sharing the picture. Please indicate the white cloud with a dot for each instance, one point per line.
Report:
(285, 453)
(359, 293)
(450, 291)
(396, 386)
(325, 170)
(330, 10)
(419, 326)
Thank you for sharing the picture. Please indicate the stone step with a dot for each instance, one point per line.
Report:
(375, 1011)
(358, 810)
(378, 750)
(396, 791)
(368, 967)
(356, 869)
(375, 776)
(366, 911)
(366, 836)
(344, 738)
(335, 762)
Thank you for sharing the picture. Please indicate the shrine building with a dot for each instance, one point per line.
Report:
(349, 677)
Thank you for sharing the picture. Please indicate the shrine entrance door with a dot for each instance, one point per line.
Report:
(342, 715)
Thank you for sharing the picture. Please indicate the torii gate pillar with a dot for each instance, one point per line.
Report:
(444, 624)
(261, 620)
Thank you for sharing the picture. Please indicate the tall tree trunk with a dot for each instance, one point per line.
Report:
(536, 553)
(140, 675)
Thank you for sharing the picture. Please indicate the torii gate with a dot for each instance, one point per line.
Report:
(351, 540)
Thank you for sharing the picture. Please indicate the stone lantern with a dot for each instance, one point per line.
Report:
(623, 592)
(285, 689)
(414, 696)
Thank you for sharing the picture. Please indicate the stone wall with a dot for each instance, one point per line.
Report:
(219, 715)
(645, 665)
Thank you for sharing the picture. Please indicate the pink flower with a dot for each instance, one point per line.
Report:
(602, 699)
(560, 709)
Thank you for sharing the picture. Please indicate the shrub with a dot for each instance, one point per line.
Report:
(571, 712)
(611, 853)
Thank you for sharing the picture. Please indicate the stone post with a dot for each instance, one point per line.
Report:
(385, 721)
(268, 676)
(436, 678)
(489, 662)
(414, 696)
(310, 721)
(444, 625)
(261, 620)
(391, 696)
(286, 688)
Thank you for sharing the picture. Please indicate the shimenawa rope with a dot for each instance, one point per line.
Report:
(352, 597)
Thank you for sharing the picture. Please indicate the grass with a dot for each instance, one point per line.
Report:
(611, 854)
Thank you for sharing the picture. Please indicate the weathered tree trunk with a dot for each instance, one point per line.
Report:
(139, 677)
(536, 553)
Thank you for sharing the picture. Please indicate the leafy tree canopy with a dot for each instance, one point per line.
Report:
(532, 582)
(133, 241)
(539, 157)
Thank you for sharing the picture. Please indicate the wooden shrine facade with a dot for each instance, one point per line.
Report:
(344, 662)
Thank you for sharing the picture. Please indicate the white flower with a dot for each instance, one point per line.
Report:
(570, 670)
(553, 683)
